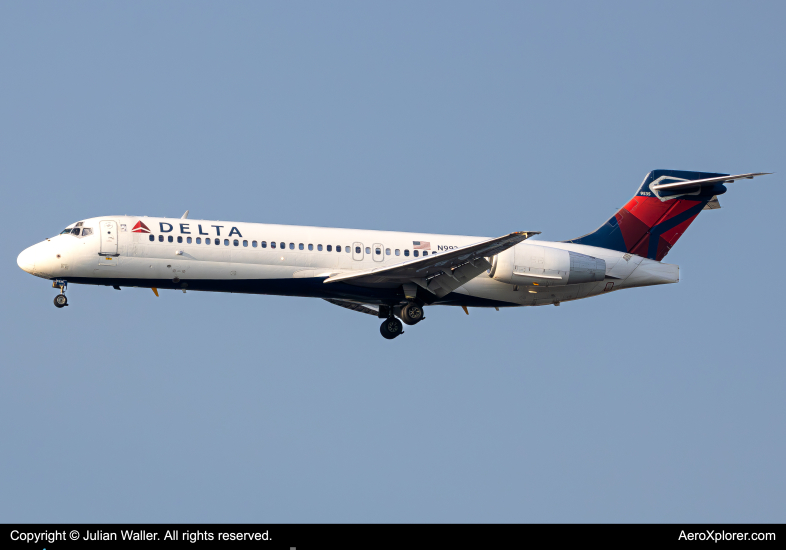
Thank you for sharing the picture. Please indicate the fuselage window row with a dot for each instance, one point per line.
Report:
(283, 246)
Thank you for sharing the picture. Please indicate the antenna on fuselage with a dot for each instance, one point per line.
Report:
(184, 216)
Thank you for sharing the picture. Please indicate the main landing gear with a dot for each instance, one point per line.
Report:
(60, 299)
(410, 314)
(391, 327)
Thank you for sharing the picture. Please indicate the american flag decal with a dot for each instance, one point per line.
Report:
(421, 245)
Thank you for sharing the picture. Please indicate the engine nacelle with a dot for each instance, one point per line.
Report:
(525, 264)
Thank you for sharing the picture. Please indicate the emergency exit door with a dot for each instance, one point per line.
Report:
(378, 252)
(357, 251)
(108, 231)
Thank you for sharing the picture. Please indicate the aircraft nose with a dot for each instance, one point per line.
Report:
(26, 260)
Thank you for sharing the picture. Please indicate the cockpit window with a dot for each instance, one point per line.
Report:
(77, 231)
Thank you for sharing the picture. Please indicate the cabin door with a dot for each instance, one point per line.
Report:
(108, 232)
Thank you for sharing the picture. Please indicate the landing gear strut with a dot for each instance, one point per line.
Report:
(60, 299)
(391, 327)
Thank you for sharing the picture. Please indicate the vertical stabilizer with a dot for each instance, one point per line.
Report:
(656, 217)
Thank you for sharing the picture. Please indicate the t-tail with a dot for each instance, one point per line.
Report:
(660, 212)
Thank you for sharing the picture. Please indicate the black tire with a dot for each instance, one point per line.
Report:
(412, 314)
(61, 300)
(391, 328)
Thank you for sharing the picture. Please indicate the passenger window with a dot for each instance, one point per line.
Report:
(357, 250)
(272, 245)
(377, 251)
(368, 250)
(207, 241)
(311, 247)
(160, 238)
(199, 240)
(234, 242)
(170, 239)
(292, 246)
(330, 248)
(425, 252)
(398, 252)
(226, 242)
(188, 240)
(415, 252)
(254, 244)
(245, 243)
(151, 238)
(282, 245)
(263, 244)
(300, 246)
(319, 247)
(180, 239)
(406, 252)
(387, 252)
(347, 249)
(216, 242)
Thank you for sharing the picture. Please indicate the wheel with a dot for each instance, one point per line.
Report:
(411, 314)
(61, 300)
(391, 328)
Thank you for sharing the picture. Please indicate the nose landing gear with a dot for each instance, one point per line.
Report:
(60, 299)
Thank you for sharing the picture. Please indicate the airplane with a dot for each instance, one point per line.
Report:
(390, 275)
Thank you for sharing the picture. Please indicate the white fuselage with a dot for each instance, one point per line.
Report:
(295, 260)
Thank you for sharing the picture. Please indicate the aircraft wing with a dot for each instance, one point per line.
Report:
(439, 273)
(354, 306)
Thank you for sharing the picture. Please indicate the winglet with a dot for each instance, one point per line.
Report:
(155, 291)
(184, 216)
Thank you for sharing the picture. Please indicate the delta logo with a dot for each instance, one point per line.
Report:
(140, 228)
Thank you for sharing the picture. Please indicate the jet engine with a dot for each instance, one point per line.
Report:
(526, 264)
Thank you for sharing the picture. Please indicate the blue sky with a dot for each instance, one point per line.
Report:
(657, 404)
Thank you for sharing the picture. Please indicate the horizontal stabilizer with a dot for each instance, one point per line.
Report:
(704, 182)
